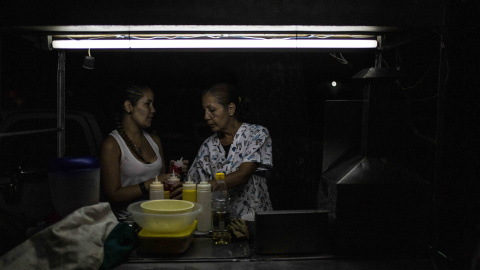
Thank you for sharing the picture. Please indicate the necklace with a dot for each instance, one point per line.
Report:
(139, 149)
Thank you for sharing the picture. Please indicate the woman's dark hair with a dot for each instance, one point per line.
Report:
(133, 93)
(225, 94)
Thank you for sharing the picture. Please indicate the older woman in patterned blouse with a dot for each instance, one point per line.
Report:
(238, 149)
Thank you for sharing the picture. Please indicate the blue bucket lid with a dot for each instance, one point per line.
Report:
(73, 163)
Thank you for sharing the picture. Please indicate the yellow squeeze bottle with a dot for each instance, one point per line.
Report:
(189, 192)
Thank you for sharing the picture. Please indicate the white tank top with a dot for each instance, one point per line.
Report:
(133, 171)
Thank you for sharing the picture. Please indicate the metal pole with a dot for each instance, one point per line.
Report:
(1, 35)
(61, 104)
(440, 183)
(365, 118)
(366, 111)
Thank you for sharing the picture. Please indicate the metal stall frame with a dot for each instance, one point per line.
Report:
(60, 129)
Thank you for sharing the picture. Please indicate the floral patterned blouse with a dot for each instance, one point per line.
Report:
(252, 143)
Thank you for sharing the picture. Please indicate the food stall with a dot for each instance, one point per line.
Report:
(328, 229)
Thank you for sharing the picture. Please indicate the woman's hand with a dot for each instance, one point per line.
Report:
(176, 192)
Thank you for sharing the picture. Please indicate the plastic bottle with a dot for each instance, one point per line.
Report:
(204, 197)
(177, 167)
(220, 211)
(189, 192)
(171, 181)
(156, 190)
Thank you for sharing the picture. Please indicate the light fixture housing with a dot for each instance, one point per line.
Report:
(184, 37)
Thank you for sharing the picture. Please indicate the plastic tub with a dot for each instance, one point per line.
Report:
(167, 243)
(163, 223)
(74, 183)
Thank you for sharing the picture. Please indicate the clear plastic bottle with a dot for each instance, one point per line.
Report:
(220, 211)
(189, 192)
(156, 190)
(204, 197)
(171, 181)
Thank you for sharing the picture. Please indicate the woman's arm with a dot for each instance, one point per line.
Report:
(240, 176)
(110, 174)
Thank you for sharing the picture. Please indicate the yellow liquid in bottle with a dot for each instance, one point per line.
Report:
(166, 194)
(220, 235)
(189, 195)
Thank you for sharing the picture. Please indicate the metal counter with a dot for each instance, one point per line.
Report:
(200, 249)
(203, 254)
(400, 264)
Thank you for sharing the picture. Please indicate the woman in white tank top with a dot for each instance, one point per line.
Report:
(130, 157)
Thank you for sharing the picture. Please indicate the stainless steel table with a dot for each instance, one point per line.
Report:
(203, 254)
(201, 249)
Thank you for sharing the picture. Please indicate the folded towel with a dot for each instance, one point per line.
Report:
(75, 242)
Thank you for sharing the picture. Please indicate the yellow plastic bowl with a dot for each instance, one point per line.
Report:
(163, 223)
(167, 207)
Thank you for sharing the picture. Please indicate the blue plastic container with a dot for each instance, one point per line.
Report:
(74, 183)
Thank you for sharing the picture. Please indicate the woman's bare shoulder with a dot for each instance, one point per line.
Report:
(109, 143)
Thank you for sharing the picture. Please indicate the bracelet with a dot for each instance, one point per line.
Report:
(143, 188)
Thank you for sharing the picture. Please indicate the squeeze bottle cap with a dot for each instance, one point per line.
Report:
(179, 163)
(189, 184)
(204, 186)
(173, 178)
(220, 176)
(156, 185)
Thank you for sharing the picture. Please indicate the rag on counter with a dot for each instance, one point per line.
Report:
(75, 242)
(238, 229)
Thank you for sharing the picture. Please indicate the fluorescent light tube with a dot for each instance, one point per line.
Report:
(213, 43)
(336, 43)
(91, 44)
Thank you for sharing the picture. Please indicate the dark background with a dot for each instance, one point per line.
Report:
(287, 90)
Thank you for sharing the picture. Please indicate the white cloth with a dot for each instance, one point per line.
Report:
(133, 171)
(251, 143)
(75, 242)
